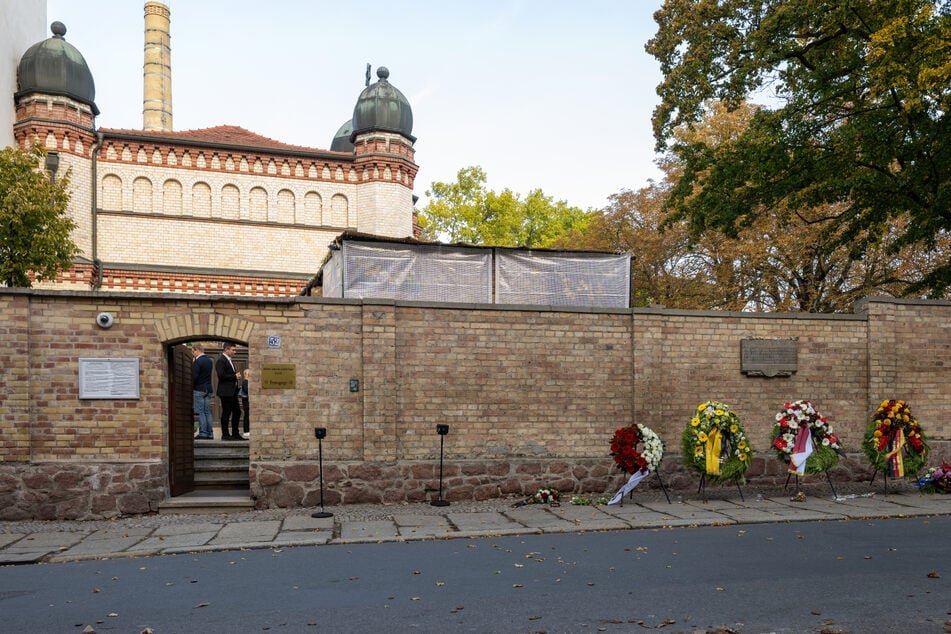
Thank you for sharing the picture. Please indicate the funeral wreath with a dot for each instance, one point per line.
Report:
(714, 443)
(894, 441)
(624, 448)
(793, 423)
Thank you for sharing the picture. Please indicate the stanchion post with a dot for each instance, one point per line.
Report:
(321, 433)
(442, 430)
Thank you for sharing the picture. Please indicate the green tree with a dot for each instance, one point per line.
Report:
(786, 260)
(465, 211)
(859, 129)
(34, 227)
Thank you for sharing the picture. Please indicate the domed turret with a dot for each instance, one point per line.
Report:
(341, 142)
(382, 107)
(56, 67)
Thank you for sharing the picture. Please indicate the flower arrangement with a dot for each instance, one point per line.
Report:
(825, 444)
(625, 453)
(715, 444)
(936, 480)
(894, 441)
(545, 496)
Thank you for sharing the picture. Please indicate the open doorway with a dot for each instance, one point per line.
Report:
(197, 466)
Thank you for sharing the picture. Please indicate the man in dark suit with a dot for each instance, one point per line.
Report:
(228, 393)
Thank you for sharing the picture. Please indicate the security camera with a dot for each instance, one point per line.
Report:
(105, 320)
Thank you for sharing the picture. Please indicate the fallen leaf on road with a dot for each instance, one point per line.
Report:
(203, 604)
(934, 575)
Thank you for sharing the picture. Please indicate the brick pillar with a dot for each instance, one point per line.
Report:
(379, 382)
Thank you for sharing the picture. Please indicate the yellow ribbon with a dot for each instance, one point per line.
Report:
(898, 442)
(714, 438)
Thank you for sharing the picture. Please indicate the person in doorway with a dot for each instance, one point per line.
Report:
(201, 391)
(244, 395)
(228, 393)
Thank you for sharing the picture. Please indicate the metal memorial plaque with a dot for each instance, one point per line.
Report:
(108, 378)
(769, 357)
(278, 376)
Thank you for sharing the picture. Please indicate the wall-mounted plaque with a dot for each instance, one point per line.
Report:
(108, 378)
(278, 376)
(769, 356)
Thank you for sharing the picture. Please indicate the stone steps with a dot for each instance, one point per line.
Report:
(208, 502)
(221, 464)
(222, 484)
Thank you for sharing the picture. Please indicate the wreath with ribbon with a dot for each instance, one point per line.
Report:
(625, 453)
(715, 444)
(801, 431)
(894, 441)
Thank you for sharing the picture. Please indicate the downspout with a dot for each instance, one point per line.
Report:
(97, 265)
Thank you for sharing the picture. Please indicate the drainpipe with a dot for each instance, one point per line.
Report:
(97, 265)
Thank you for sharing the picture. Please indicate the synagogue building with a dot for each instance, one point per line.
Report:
(147, 202)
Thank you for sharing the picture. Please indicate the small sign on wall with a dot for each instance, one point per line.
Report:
(109, 378)
(278, 376)
(769, 357)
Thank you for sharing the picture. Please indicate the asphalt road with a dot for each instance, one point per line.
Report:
(857, 576)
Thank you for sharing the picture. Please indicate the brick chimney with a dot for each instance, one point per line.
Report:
(157, 71)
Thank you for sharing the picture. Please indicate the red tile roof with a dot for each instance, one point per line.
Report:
(222, 134)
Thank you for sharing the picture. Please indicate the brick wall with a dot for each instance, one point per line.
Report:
(531, 395)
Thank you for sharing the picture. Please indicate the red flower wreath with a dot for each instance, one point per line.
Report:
(625, 453)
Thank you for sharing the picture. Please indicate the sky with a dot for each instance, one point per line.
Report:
(551, 94)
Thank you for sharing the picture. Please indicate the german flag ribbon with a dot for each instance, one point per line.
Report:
(894, 456)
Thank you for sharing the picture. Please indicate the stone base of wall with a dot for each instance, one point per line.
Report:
(47, 491)
(72, 491)
(297, 484)
(285, 484)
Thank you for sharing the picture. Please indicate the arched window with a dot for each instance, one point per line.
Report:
(142, 195)
(172, 198)
(201, 200)
(286, 206)
(111, 195)
(258, 202)
(313, 209)
(230, 202)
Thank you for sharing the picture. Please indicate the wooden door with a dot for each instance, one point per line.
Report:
(181, 421)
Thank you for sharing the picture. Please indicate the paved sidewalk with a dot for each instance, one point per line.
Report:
(33, 541)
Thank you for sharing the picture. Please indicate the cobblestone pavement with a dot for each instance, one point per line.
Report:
(28, 542)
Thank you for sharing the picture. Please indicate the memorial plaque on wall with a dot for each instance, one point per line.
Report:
(108, 378)
(278, 376)
(769, 357)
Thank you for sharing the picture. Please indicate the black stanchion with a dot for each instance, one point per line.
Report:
(442, 430)
(321, 433)
(792, 473)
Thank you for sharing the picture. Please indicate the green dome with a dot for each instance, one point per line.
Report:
(56, 67)
(382, 107)
(341, 142)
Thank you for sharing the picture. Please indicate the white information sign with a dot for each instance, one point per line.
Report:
(108, 378)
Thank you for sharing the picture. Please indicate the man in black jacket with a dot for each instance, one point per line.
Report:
(201, 378)
(228, 393)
